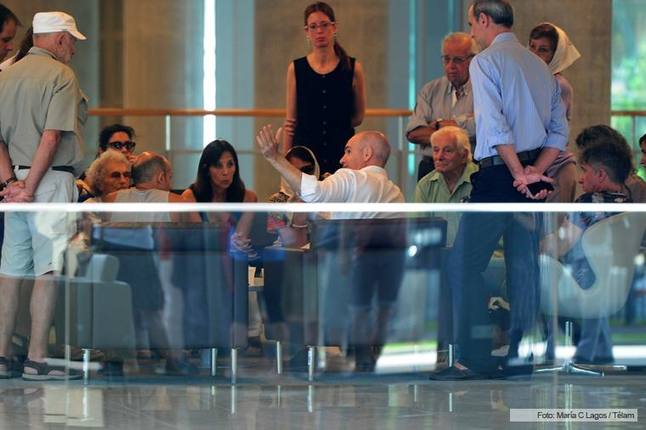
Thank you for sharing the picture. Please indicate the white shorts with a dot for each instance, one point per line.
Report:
(35, 243)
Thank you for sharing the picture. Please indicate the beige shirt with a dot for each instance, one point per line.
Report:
(40, 93)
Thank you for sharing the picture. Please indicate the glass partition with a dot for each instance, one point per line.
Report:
(292, 295)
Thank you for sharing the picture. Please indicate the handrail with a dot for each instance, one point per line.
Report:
(628, 113)
(279, 113)
(265, 112)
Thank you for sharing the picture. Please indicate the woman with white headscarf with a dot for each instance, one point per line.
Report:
(292, 228)
(554, 47)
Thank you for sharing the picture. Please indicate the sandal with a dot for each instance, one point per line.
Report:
(6, 368)
(45, 372)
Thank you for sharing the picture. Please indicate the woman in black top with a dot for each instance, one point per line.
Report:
(325, 92)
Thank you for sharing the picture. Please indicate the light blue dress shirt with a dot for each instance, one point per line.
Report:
(517, 100)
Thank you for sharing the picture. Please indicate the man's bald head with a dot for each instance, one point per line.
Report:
(149, 167)
(367, 148)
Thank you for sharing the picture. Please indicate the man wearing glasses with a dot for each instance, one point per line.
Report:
(445, 101)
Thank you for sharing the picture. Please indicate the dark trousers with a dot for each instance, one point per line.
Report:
(477, 238)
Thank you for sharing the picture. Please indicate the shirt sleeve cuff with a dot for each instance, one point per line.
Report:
(309, 184)
(415, 123)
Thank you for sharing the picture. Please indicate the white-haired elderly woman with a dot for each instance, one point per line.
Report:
(108, 173)
(450, 181)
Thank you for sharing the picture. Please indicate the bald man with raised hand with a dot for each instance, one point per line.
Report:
(363, 178)
(378, 275)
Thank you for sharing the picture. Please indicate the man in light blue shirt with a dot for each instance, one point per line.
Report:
(520, 129)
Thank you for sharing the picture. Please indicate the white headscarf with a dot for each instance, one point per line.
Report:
(284, 186)
(566, 53)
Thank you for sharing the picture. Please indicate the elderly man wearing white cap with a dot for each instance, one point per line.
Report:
(42, 110)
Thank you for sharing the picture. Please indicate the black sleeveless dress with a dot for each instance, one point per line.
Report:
(325, 107)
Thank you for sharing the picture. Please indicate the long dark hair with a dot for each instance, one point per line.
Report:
(319, 6)
(202, 188)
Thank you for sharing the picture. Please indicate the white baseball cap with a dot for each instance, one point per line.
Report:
(54, 22)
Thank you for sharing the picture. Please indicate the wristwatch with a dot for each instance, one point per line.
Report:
(6, 183)
(438, 122)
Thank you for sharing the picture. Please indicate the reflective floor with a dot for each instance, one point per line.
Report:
(366, 402)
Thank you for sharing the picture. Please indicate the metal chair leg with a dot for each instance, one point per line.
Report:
(311, 357)
(279, 358)
(234, 365)
(214, 357)
(86, 365)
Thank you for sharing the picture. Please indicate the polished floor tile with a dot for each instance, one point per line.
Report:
(356, 403)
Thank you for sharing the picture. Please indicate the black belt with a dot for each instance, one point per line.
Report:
(68, 169)
(526, 157)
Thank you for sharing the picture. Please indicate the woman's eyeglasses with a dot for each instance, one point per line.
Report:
(324, 25)
(128, 144)
(119, 175)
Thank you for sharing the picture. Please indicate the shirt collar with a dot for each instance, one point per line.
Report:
(375, 169)
(507, 36)
(465, 87)
(41, 52)
(469, 169)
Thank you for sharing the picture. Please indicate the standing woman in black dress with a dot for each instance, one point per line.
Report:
(325, 92)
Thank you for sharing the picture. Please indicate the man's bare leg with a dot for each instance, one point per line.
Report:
(8, 309)
(43, 303)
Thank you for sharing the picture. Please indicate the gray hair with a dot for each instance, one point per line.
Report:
(96, 173)
(461, 37)
(500, 11)
(459, 135)
(147, 165)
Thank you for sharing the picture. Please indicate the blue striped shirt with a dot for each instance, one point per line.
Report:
(517, 100)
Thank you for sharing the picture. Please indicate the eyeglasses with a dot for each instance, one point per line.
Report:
(324, 25)
(308, 170)
(119, 175)
(458, 61)
(128, 144)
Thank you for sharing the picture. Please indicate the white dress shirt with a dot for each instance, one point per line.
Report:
(368, 185)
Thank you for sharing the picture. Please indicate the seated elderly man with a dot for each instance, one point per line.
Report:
(450, 182)
(362, 179)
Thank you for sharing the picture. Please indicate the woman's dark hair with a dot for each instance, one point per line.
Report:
(547, 31)
(6, 15)
(301, 153)
(202, 188)
(324, 8)
(107, 132)
(25, 45)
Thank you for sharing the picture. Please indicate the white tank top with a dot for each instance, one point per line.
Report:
(133, 195)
